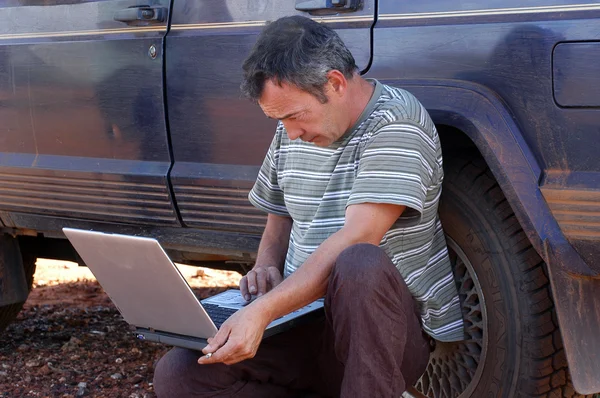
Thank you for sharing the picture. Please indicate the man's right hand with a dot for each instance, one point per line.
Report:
(259, 281)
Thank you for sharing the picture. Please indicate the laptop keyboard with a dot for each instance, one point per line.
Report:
(218, 314)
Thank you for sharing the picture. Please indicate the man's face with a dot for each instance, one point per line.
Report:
(303, 115)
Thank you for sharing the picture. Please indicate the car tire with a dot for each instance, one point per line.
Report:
(514, 346)
(10, 252)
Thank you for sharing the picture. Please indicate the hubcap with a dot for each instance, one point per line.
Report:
(454, 369)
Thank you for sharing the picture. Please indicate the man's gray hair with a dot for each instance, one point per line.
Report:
(298, 51)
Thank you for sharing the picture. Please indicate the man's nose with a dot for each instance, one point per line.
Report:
(294, 133)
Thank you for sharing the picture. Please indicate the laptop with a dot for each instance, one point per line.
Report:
(152, 295)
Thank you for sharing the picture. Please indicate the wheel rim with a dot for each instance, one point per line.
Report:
(454, 369)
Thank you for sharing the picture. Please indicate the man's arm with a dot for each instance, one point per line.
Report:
(365, 223)
(268, 270)
(240, 335)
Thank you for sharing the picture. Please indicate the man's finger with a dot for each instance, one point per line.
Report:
(219, 356)
(218, 341)
(244, 288)
(229, 354)
(209, 358)
(251, 277)
(261, 281)
(275, 277)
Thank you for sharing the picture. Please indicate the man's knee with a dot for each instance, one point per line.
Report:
(178, 374)
(363, 265)
(173, 371)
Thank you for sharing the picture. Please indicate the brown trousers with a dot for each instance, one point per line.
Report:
(368, 344)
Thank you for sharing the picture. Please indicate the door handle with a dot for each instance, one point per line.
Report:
(338, 5)
(141, 13)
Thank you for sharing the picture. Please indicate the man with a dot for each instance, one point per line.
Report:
(351, 185)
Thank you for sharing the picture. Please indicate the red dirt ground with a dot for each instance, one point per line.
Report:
(70, 341)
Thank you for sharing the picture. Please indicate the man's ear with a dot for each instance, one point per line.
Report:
(336, 82)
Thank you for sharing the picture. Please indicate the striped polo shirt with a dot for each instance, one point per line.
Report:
(391, 155)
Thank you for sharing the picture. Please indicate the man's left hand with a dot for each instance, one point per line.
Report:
(238, 338)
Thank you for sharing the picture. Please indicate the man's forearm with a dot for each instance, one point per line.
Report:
(309, 282)
(274, 242)
(365, 223)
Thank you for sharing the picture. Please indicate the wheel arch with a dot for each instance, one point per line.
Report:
(481, 115)
(478, 113)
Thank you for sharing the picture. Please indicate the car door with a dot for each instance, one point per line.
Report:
(219, 139)
(82, 124)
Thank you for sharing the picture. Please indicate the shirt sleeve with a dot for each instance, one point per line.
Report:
(397, 166)
(266, 194)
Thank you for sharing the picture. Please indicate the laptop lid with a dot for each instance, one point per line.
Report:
(143, 282)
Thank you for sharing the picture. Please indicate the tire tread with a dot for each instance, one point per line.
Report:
(9, 312)
(544, 370)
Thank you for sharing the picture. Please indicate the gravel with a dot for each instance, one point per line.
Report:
(70, 340)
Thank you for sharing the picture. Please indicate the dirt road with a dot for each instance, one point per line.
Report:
(70, 341)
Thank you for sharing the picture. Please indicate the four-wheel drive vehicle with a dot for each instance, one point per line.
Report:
(125, 116)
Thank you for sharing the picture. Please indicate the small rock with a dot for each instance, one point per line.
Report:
(136, 379)
(96, 355)
(116, 376)
(45, 370)
(23, 347)
(82, 392)
(74, 357)
(82, 384)
(27, 379)
(3, 373)
(71, 344)
(5, 366)
(118, 360)
(98, 333)
(62, 380)
(33, 364)
(135, 350)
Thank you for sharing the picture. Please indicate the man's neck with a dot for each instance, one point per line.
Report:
(359, 97)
